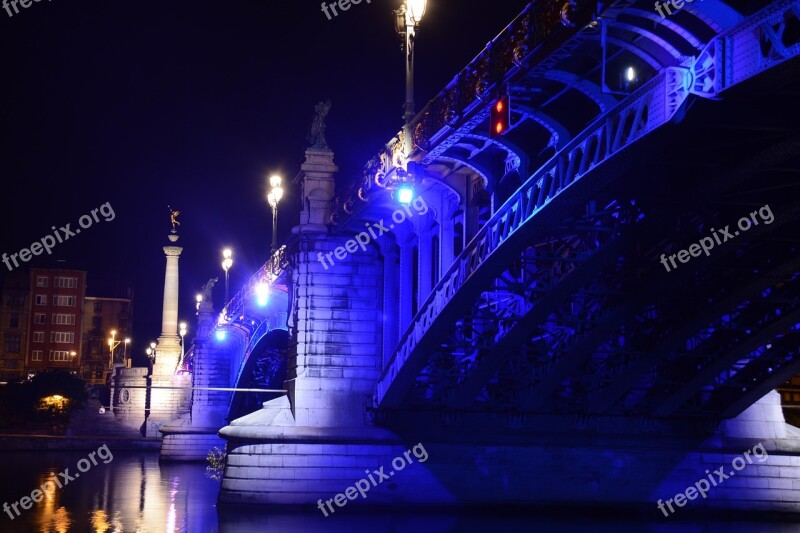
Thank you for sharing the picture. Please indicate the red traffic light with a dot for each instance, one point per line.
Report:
(500, 117)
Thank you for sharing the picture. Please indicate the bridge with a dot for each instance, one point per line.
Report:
(592, 307)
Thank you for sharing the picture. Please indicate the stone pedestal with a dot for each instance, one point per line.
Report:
(318, 189)
(130, 396)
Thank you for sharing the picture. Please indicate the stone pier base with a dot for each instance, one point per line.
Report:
(190, 439)
(192, 444)
(272, 462)
(170, 398)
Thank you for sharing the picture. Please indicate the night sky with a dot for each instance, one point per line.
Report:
(194, 104)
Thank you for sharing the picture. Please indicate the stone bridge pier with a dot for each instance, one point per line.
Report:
(192, 436)
(334, 361)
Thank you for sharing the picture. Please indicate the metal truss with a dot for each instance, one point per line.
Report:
(728, 339)
(657, 341)
(550, 279)
(524, 294)
(758, 44)
(610, 134)
(722, 379)
(773, 366)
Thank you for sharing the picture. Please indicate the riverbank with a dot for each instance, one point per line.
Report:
(21, 442)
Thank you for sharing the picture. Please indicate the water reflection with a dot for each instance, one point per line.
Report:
(102, 523)
(131, 493)
(134, 493)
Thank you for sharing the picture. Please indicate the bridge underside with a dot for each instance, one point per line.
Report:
(586, 319)
(573, 311)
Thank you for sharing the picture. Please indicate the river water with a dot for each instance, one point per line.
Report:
(134, 493)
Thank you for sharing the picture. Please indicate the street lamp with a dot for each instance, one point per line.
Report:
(199, 298)
(125, 352)
(227, 263)
(274, 198)
(407, 20)
(151, 353)
(112, 344)
(183, 334)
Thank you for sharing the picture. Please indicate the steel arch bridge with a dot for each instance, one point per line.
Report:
(559, 303)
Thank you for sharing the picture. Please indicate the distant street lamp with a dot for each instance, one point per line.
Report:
(112, 345)
(151, 353)
(227, 263)
(183, 334)
(274, 198)
(407, 20)
(125, 352)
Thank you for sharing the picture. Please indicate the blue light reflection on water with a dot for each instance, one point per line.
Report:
(134, 493)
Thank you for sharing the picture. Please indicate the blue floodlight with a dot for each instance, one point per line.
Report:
(405, 194)
(220, 334)
(262, 294)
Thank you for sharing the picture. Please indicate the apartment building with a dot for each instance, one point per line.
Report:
(56, 317)
(14, 313)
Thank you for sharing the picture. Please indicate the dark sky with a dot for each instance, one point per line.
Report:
(194, 104)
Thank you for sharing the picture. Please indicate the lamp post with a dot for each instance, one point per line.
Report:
(407, 20)
(274, 198)
(227, 263)
(112, 345)
(125, 352)
(183, 334)
(151, 353)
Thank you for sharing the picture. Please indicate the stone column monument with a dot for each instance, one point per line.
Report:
(168, 393)
(145, 400)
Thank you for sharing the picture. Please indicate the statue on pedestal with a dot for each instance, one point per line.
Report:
(173, 218)
(207, 288)
(316, 134)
